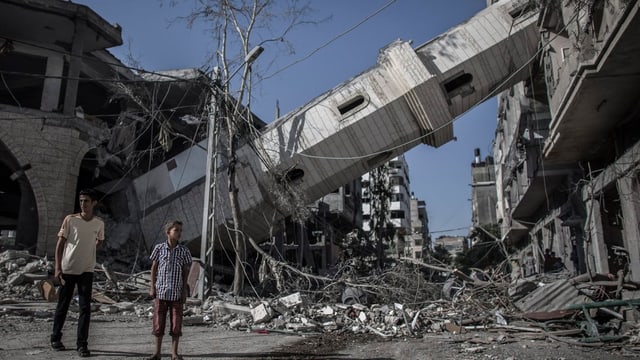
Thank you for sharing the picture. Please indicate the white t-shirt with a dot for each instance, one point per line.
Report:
(79, 254)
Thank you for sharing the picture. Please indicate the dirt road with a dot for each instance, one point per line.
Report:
(26, 337)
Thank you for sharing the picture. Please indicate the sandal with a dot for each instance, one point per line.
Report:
(179, 357)
(153, 357)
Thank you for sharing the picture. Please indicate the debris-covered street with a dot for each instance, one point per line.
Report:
(469, 318)
(124, 337)
(135, 194)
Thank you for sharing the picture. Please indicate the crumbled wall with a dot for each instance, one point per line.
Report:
(54, 153)
(186, 207)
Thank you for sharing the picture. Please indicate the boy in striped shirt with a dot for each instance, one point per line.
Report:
(169, 273)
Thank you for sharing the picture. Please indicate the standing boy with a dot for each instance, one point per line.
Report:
(75, 259)
(169, 273)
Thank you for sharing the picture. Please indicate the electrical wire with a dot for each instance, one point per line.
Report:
(86, 79)
(337, 158)
(4, 82)
(418, 139)
(449, 230)
(94, 59)
(330, 41)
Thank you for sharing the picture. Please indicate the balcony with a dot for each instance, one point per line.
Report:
(595, 95)
(534, 194)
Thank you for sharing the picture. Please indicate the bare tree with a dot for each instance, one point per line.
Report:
(379, 224)
(235, 24)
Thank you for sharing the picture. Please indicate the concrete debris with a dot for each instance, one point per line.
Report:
(353, 295)
(261, 313)
(109, 309)
(577, 307)
(19, 256)
(224, 307)
(292, 300)
(101, 298)
(520, 288)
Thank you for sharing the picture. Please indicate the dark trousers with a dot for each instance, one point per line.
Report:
(84, 282)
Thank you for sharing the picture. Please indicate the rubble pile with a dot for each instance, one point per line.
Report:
(21, 275)
(123, 248)
(585, 310)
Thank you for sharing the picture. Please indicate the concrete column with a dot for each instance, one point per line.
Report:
(58, 199)
(323, 254)
(595, 248)
(548, 239)
(629, 200)
(75, 63)
(562, 240)
(305, 250)
(52, 83)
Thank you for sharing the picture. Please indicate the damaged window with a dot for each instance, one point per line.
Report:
(294, 175)
(351, 105)
(459, 85)
(522, 7)
(22, 79)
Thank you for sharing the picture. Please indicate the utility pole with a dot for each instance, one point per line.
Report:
(208, 239)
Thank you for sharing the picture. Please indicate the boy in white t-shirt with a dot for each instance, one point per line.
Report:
(75, 259)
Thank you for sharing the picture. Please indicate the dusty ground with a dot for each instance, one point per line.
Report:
(25, 336)
(349, 346)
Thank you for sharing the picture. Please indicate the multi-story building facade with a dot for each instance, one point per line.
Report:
(316, 242)
(483, 191)
(54, 113)
(387, 194)
(419, 241)
(567, 149)
(453, 244)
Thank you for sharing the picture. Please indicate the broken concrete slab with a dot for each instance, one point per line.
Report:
(301, 327)
(109, 309)
(194, 276)
(12, 255)
(16, 279)
(101, 298)
(352, 295)
(261, 313)
(327, 310)
(292, 300)
(224, 307)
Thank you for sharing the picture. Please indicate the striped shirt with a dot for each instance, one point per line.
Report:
(169, 277)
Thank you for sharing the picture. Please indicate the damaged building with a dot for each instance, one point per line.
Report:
(567, 141)
(565, 168)
(94, 126)
(56, 112)
(389, 205)
(565, 151)
(74, 116)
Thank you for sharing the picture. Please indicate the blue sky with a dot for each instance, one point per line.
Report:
(440, 176)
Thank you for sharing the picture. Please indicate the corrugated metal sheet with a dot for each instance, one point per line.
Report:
(550, 297)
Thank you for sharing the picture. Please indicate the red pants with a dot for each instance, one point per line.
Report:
(160, 309)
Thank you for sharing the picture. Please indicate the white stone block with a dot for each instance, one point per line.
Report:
(292, 300)
(327, 310)
(261, 313)
(362, 317)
